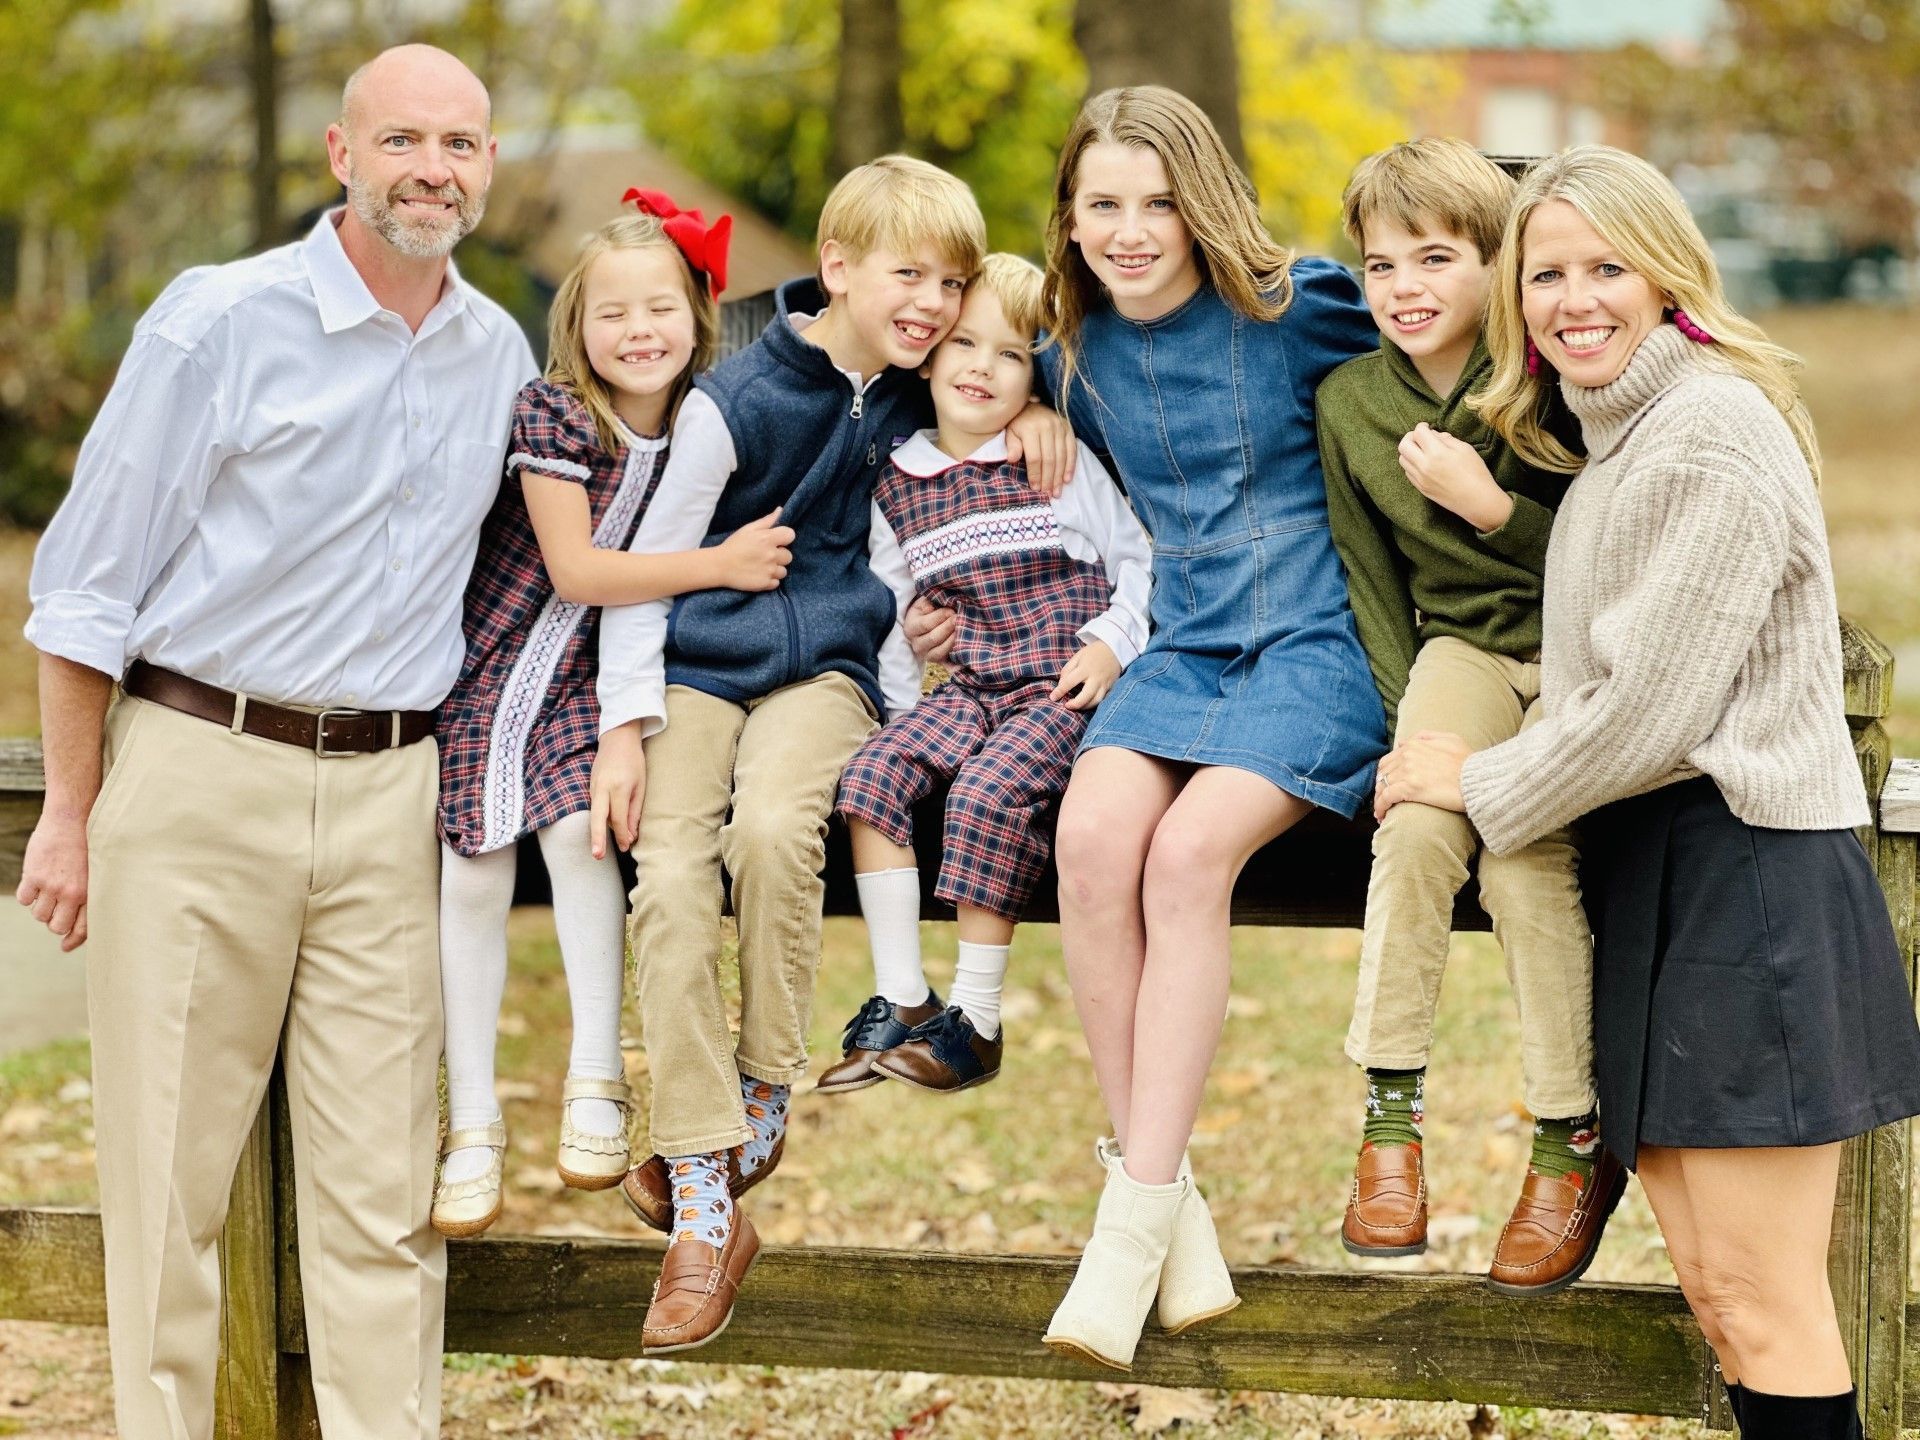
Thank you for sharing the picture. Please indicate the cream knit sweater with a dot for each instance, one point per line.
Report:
(1689, 619)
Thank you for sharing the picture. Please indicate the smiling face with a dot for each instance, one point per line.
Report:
(981, 374)
(1427, 289)
(637, 326)
(896, 307)
(413, 150)
(1128, 227)
(1585, 309)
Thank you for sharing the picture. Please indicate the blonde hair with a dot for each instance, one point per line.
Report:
(1017, 284)
(898, 203)
(567, 363)
(1216, 202)
(1435, 180)
(1639, 213)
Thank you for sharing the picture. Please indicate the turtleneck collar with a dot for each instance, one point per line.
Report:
(1661, 361)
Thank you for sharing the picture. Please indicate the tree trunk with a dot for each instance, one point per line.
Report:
(263, 75)
(866, 102)
(1186, 45)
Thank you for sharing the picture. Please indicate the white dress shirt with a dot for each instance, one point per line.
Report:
(283, 491)
(633, 638)
(1097, 527)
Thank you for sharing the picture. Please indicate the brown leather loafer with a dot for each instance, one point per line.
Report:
(1387, 1212)
(945, 1053)
(693, 1298)
(876, 1028)
(645, 1188)
(1555, 1229)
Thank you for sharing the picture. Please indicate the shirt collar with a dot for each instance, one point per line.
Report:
(343, 296)
(922, 458)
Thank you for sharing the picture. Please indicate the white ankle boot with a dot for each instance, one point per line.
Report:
(1194, 1284)
(1113, 1289)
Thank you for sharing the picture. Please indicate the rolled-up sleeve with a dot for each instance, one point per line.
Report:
(138, 486)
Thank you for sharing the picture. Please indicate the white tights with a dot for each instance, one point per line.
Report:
(590, 916)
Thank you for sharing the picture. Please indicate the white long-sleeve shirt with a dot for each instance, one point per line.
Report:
(282, 493)
(1097, 527)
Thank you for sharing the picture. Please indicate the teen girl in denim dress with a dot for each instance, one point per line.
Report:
(1188, 345)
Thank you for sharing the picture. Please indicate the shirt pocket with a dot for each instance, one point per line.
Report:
(470, 473)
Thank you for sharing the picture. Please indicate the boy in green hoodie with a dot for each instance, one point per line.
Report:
(1443, 530)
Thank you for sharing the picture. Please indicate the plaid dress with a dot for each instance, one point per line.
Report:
(519, 732)
(980, 542)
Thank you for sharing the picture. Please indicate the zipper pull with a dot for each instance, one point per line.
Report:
(859, 404)
(873, 454)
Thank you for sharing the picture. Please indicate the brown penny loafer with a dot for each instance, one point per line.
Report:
(1387, 1211)
(645, 1188)
(1555, 1229)
(693, 1298)
(945, 1053)
(876, 1028)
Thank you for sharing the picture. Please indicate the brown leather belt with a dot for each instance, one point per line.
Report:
(329, 734)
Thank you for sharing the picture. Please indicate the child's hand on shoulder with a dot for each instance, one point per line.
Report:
(1091, 672)
(619, 785)
(1041, 436)
(756, 556)
(1450, 472)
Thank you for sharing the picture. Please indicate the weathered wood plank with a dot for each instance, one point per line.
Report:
(52, 1267)
(1900, 799)
(246, 1395)
(1868, 667)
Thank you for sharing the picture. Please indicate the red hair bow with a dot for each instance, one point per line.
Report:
(704, 245)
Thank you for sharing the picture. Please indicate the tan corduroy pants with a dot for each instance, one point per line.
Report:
(1420, 860)
(242, 891)
(750, 787)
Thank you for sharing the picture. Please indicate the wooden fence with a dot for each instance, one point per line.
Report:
(1396, 1336)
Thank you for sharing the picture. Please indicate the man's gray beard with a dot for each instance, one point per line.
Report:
(424, 241)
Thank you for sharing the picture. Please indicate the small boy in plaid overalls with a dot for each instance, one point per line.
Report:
(1050, 598)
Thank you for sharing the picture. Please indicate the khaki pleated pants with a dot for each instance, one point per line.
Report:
(244, 894)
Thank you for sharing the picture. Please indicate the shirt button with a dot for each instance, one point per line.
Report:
(379, 635)
(407, 494)
(416, 422)
(352, 699)
(396, 567)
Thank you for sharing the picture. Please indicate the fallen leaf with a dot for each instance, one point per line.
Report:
(539, 1179)
(517, 1090)
(23, 1119)
(513, 1026)
(1218, 1121)
(972, 1176)
(1484, 1423)
(1450, 1228)
(914, 1383)
(1245, 1007)
(1108, 1390)
(74, 1091)
(1163, 1409)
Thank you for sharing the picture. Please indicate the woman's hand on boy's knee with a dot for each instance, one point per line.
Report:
(1450, 472)
(1091, 673)
(756, 556)
(929, 630)
(1041, 436)
(618, 787)
(1424, 770)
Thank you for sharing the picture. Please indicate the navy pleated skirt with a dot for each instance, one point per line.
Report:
(1748, 988)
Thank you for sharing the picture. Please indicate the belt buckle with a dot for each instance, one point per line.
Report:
(320, 749)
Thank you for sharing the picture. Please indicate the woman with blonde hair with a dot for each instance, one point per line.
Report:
(1751, 1009)
(1188, 345)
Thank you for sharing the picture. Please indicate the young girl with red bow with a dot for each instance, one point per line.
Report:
(631, 325)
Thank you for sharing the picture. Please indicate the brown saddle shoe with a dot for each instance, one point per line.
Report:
(693, 1298)
(876, 1027)
(1555, 1229)
(645, 1188)
(944, 1053)
(1387, 1211)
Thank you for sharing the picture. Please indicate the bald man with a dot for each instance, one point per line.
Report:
(266, 544)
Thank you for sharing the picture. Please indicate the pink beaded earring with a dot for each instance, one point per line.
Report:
(1533, 357)
(1685, 325)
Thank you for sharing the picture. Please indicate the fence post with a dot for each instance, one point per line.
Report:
(246, 1401)
(1868, 1260)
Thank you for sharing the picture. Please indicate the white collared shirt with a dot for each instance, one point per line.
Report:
(1097, 527)
(282, 493)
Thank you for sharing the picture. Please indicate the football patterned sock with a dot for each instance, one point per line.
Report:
(1396, 1107)
(766, 1106)
(702, 1209)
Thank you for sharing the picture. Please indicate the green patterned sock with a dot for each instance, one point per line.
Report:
(1396, 1107)
(1566, 1147)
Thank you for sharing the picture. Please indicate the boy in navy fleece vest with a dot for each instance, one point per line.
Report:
(750, 704)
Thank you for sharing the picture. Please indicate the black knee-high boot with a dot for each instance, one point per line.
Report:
(1797, 1417)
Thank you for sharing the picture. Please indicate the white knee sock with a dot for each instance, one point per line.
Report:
(475, 894)
(977, 982)
(890, 901)
(590, 917)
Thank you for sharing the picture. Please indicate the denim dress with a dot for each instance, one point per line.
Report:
(1208, 417)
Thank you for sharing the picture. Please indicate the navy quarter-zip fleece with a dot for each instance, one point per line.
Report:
(804, 441)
